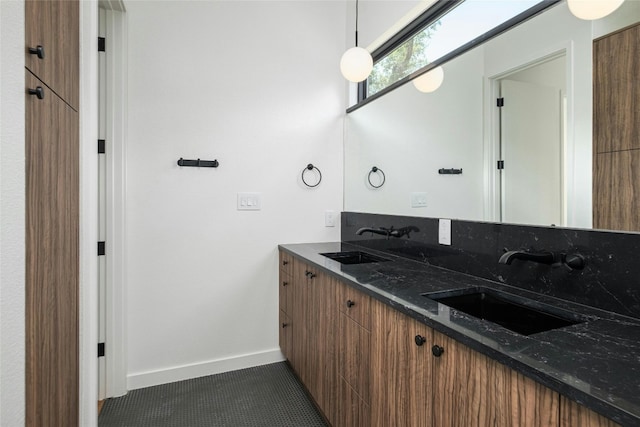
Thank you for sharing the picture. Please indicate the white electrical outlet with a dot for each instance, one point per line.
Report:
(444, 232)
(249, 201)
(418, 200)
(330, 218)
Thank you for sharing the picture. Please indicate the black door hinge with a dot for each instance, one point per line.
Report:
(500, 102)
(100, 349)
(500, 164)
(101, 248)
(102, 44)
(101, 146)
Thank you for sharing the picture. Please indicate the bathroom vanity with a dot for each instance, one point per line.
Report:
(377, 342)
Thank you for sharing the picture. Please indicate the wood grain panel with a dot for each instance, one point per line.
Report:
(54, 25)
(400, 370)
(573, 414)
(285, 291)
(616, 91)
(352, 411)
(285, 261)
(359, 307)
(285, 334)
(533, 405)
(324, 342)
(616, 191)
(472, 390)
(355, 351)
(52, 218)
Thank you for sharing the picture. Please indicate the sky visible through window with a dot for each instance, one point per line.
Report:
(465, 22)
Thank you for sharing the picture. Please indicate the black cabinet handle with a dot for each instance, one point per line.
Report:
(285, 283)
(437, 350)
(350, 303)
(285, 262)
(309, 274)
(38, 91)
(38, 50)
(284, 325)
(420, 340)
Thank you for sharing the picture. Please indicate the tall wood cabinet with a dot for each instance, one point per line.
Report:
(52, 212)
(616, 130)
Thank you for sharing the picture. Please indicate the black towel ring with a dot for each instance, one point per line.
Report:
(376, 169)
(310, 167)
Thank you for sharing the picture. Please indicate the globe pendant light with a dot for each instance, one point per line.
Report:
(356, 63)
(429, 81)
(593, 9)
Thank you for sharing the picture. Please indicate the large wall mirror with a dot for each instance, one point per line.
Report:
(542, 69)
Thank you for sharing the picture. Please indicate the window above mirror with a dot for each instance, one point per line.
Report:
(442, 32)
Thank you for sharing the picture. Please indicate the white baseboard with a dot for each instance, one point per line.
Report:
(186, 372)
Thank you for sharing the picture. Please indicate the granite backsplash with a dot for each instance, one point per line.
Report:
(610, 279)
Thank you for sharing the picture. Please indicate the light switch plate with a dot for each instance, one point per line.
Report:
(418, 200)
(444, 232)
(249, 201)
(330, 218)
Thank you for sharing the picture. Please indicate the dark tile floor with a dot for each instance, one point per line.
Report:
(268, 395)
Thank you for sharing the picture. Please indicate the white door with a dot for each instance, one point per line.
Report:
(531, 148)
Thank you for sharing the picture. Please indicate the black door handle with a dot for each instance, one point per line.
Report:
(420, 340)
(38, 50)
(350, 303)
(38, 91)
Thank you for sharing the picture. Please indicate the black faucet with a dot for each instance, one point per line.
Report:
(389, 232)
(554, 259)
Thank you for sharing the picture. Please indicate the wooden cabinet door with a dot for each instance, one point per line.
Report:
(54, 25)
(285, 334)
(532, 404)
(469, 388)
(400, 369)
(285, 291)
(52, 222)
(354, 357)
(573, 414)
(323, 341)
(616, 92)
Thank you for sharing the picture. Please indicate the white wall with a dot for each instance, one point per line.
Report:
(12, 211)
(257, 86)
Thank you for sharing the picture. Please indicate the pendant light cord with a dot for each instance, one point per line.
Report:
(356, 23)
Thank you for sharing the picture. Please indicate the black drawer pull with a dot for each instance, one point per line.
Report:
(420, 340)
(437, 350)
(285, 262)
(284, 325)
(350, 303)
(38, 50)
(38, 91)
(285, 283)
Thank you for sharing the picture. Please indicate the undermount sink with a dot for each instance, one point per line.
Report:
(354, 257)
(503, 308)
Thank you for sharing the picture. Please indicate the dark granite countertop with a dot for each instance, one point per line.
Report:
(596, 362)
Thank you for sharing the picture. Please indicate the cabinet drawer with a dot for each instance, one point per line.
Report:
(286, 263)
(285, 292)
(356, 305)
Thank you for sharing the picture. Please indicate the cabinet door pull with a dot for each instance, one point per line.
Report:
(285, 262)
(350, 303)
(285, 283)
(437, 350)
(420, 340)
(38, 91)
(38, 50)
(284, 325)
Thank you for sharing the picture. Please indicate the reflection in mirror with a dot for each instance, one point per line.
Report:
(545, 143)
